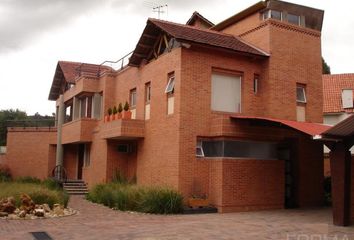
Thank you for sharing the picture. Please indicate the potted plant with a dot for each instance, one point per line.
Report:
(115, 112)
(127, 114)
(108, 117)
(197, 201)
(120, 110)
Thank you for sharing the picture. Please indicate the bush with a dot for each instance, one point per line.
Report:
(39, 193)
(5, 175)
(134, 198)
(51, 184)
(28, 179)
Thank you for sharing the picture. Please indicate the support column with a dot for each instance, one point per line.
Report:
(61, 115)
(340, 158)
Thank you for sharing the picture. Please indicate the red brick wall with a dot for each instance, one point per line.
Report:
(2, 158)
(352, 193)
(29, 152)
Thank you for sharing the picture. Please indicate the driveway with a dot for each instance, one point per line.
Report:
(98, 222)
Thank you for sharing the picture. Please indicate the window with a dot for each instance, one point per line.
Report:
(300, 94)
(86, 107)
(147, 92)
(347, 98)
(225, 93)
(133, 98)
(238, 149)
(171, 84)
(294, 19)
(86, 155)
(255, 83)
(199, 149)
(272, 14)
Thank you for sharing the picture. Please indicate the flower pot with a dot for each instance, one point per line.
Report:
(119, 115)
(106, 118)
(198, 202)
(111, 117)
(127, 115)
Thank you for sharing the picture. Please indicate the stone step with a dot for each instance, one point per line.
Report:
(78, 193)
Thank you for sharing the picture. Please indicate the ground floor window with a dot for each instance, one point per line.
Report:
(86, 155)
(237, 149)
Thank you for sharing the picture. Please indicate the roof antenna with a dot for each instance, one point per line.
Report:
(159, 9)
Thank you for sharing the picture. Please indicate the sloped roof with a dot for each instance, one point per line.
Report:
(343, 129)
(189, 34)
(332, 91)
(68, 71)
(311, 129)
(195, 16)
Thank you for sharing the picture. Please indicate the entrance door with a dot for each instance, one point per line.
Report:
(80, 164)
(287, 154)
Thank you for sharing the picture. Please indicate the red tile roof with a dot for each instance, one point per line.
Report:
(188, 34)
(332, 91)
(69, 70)
(206, 36)
(305, 127)
(195, 16)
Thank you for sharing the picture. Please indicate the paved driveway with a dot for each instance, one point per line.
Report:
(98, 223)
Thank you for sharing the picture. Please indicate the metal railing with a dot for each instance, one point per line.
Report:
(93, 70)
(59, 173)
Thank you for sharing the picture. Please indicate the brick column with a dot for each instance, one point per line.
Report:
(340, 158)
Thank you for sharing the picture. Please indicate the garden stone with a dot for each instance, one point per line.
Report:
(7, 205)
(46, 207)
(22, 214)
(27, 204)
(39, 212)
(58, 209)
(3, 214)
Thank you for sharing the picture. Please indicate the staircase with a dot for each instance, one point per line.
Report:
(75, 187)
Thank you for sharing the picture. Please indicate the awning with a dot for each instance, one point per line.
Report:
(305, 127)
(343, 129)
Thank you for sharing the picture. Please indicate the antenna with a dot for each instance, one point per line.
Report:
(159, 9)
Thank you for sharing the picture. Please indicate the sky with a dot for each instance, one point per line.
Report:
(36, 34)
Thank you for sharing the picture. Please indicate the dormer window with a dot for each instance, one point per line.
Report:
(294, 19)
(347, 98)
(272, 14)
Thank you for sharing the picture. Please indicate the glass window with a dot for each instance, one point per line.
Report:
(147, 93)
(132, 98)
(347, 98)
(199, 149)
(294, 19)
(86, 107)
(225, 93)
(239, 149)
(300, 94)
(170, 85)
(86, 155)
(255, 83)
(272, 14)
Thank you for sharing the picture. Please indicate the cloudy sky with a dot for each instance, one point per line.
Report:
(35, 34)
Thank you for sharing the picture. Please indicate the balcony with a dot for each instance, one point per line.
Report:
(80, 130)
(123, 129)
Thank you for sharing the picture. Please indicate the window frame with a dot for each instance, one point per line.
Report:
(303, 88)
(147, 93)
(133, 98)
(268, 14)
(199, 146)
(255, 84)
(170, 87)
(299, 19)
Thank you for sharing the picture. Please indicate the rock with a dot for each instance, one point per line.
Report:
(22, 214)
(39, 212)
(46, 207)
(58, 209)
(27, 204)
(7, 205)
(4, 214)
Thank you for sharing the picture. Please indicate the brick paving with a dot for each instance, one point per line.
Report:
(98, 222)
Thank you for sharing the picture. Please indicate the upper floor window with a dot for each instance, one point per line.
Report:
(225, 92)
(255, 83)
(300, 94)
(170, 84)
(294, 19)
(86, 107)
(147, 93)
(347, 98)
(272, 14)
(133, 98)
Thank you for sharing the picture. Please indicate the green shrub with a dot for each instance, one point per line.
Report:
(39, 193)
(51, 184)
(134, 198)
(28, 179)
(119, 178)
(5, 175)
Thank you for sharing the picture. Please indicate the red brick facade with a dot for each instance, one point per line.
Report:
(165, 144)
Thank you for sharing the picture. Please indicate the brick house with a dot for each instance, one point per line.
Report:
(226, 111)
(338, 104)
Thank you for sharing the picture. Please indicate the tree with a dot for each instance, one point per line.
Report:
(326, 69)
(6, 115)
